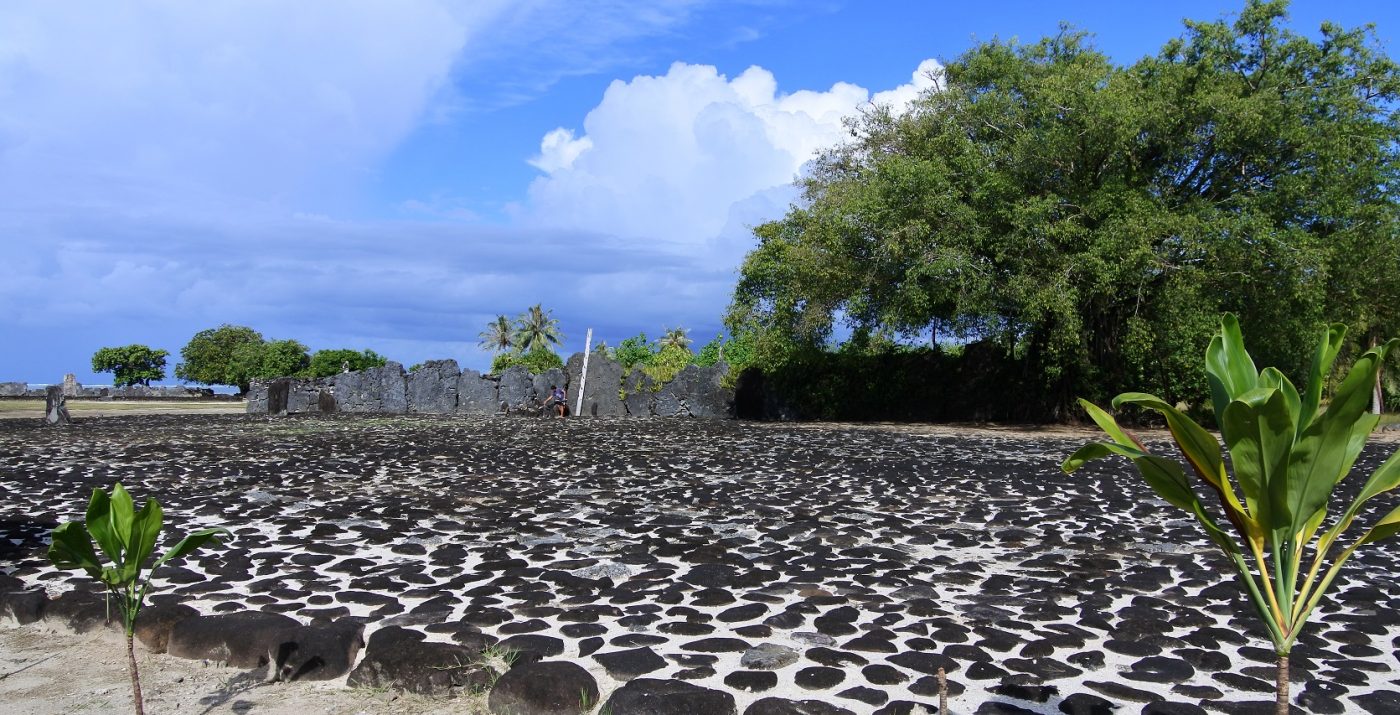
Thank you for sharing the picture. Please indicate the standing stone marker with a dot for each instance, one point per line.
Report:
(56, 406)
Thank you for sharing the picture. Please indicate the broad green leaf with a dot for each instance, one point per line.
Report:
(1388, 526)
(1229, 368)
(99, 524)
(1261, 424)
(1385, 478)
(1203, 452)
(72, 548)
(192, 542)
(145, 529)
(1271, 377)
(1322, 360)
(1329, 446)
(123, 511)
(1109, 425)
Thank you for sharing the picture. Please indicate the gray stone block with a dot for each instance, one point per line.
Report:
(432, 388)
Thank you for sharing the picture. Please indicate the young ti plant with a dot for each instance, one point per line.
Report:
(127, 537)
(1287, 455)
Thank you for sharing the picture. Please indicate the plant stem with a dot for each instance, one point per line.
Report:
(135, 678)
(1281, 687)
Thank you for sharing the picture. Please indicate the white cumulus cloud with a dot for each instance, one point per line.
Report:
(682, 158)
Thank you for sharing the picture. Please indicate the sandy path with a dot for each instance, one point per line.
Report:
(47, 672)
(34, 409)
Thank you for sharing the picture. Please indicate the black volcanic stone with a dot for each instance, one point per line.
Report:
(754, 631)
(1244, 682)
(819, 677)
(785, 619)
(1119, 692)
(871, 643)
(779, 706)
(716, 645)
(1316, 702)
(1379, 702)
(1089, 659)
(1167, 708)
(747, 612)
(1135, 648)
(928, 686)
(1034, 693)
(583, 630)
(1086, 704)
(834, 658)
(589, 646)
(752, 681)
(650, 696)
(881, 674)
(926, 663)
(633, 640)
(712, 597)
(869, 696)
(530, 626)
(1198, 692)
(686, 628)
(540, 645)
(994, 707)
(625, 665)
(555, 686)
(984, 671)
(1160, 669)
(1045, 668)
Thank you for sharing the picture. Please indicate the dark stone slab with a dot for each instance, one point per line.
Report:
(779, 706)
(399, 658)
(649, 696)
(544, 688)
(323, 652)
(625, 665)
(242, 639)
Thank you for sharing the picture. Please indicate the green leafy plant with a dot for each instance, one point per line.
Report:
(127, 537)
(1288, 455)
(536, 361)
(131, 364)
(325, 363)
(636, 350)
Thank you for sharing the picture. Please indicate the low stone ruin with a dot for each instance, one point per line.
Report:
(438, 387)
(70, 387)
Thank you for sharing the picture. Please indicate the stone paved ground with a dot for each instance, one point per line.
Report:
(809, 562)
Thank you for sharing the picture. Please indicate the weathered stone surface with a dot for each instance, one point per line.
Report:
(641, 394)
(82, 611)
(56, 406)
(23, 607)
(71, 386)
(544, 688)
(241, 639)
(13, 389)
(432, 388)
(316, 652)
(600, 389)
(768, 656)
(476, 394)
(378, 390)
(696, 392)
(303, 397)
(552, 376)
(650, 696)
(399, 658)
(156, 621)
(255, 400)
(516, 389)
(779, 706)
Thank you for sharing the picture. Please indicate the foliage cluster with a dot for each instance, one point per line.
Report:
(1085, 222)
(133, 364)
(527, 341)
(1288, 454)
(536, 361)
(236, 355)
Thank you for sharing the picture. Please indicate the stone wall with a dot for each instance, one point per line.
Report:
(73, 389)
(439, 387)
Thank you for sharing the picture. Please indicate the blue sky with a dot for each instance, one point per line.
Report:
(393, 175)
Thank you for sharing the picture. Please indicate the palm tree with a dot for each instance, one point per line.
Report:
(673, 337)
(535, 329)
(497, 335)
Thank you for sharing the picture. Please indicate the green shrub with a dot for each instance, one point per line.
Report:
(131, 364)
(536, 361)
(325, 363)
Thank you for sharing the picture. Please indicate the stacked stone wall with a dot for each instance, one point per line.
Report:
(439, 387)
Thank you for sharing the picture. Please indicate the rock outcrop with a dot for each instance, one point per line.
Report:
(600, 398)
(432, 388)
(477, 394)
(378, 390)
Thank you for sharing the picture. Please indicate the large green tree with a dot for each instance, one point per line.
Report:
(535, 329)
(226, 355)
(325, 363)
(131, 364)
(1087, 222)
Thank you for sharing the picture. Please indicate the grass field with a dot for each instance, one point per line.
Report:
(20, 409)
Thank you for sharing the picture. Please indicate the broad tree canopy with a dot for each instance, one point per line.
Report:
(1091, 221)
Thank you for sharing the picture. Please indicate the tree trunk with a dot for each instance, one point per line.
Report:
(135, 679)
(1281, 688)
